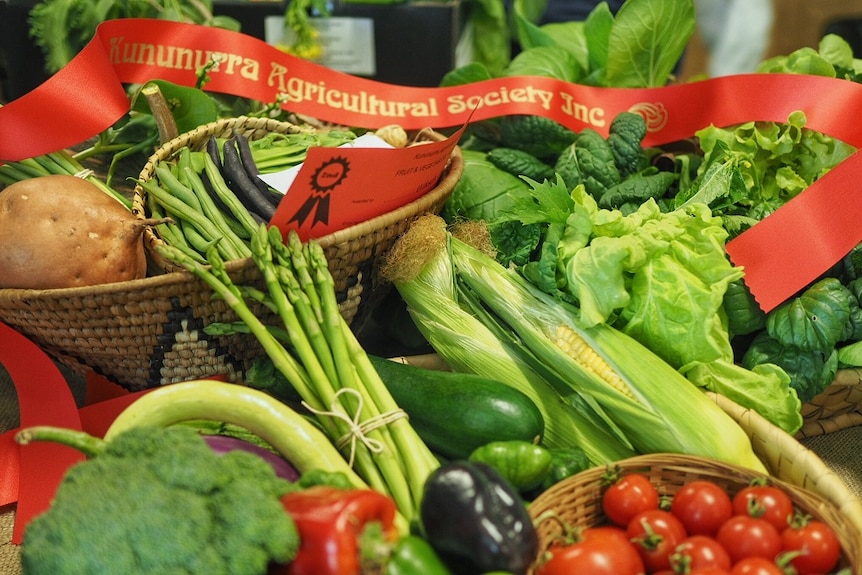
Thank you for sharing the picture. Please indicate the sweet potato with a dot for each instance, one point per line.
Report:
(62, 231)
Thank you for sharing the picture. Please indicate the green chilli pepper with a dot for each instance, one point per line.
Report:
(565, 463)
(412, 555)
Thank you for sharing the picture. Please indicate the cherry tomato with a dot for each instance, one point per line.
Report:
(627, 497)
(599, 556)
(743, 536)
(655, 533)
(766, 502)
(702, 506)
(756, 566)
(818, 543)
(699, 551)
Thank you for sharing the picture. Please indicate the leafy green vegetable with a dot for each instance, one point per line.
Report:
(833, 58)
(515, 242)
(61, 28)
(551, 61)
(637, 188)
(625, 138)
(853, 332)
(596, 162)
(597, 29)
(483, 190)
(646, 42)
(752, 169)
(814, 321)
(538, 135)
(810, 372)
(637, 48)
(744, 315)
(850, 355)
(802, 336)
(520, 163)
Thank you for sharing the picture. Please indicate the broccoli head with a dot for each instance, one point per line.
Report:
(160, 501)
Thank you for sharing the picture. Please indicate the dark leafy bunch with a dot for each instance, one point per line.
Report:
(805, 335)
(517, 155)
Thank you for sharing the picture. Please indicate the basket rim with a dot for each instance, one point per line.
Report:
(453, 172)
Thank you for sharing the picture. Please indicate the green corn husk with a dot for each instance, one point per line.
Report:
(619, 394)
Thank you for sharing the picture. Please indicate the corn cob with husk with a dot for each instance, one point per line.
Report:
(613, 380)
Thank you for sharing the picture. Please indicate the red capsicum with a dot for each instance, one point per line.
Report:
(332, 526)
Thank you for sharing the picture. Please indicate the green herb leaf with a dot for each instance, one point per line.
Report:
(647, 41)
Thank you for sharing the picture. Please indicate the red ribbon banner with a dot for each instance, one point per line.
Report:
(779, 258)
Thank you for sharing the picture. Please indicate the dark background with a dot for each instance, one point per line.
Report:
(414, 42)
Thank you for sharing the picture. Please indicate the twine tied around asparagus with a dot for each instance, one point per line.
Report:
(357, 430)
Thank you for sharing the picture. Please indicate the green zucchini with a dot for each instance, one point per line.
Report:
(455, 413)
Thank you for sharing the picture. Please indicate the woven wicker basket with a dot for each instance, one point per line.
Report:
(149, 332)
(577, 499)
(839, 406)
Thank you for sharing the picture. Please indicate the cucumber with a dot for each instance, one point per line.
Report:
(454, 413)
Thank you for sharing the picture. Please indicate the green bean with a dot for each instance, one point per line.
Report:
(176, 207)
(195, 238)
(226, 195)
(173, 235)
(171, 183)
(211, 211)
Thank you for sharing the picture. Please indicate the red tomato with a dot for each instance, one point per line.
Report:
(655, 533)
(598, 556)
(709, 571)
(604, 532)
(702, 506)
(756, 566)
(818, 543)
(766, 502)
(627, 497)
(699, 551)
(743, 536)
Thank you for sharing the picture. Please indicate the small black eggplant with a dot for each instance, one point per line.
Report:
(476, 521)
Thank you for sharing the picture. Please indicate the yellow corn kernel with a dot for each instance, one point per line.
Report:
(577, 348)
